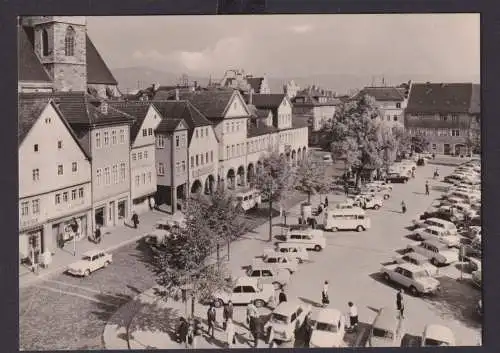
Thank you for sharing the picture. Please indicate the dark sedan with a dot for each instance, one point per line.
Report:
(396, 178)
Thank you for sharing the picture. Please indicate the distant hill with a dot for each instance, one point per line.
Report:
(132, 78)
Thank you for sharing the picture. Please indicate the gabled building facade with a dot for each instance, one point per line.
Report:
(142, 153)
(390, 101)
(314, 107)
(54, 180)
(447, 114)
(171, 156)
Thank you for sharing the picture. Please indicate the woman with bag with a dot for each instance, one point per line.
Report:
(324, 295)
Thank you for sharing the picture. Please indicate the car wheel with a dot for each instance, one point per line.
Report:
(387, 278)
(334, 229)
(86, 273)
(376, 207)
(259, 303)
(386, 197)
(435, 262)
(317, 248)
(218, 303)
(413, 291)
(106, 264)
(418, 237)
(360, 228)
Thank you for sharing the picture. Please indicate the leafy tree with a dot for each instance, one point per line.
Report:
(473, 143)
(355, 135)
(310, 177)
(187, 264)
(420, 143)
(274, 178)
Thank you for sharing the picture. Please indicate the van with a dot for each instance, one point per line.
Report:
(247, 199)
(346, 219)
(386, 330)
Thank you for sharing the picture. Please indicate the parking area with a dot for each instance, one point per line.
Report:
(351, 264)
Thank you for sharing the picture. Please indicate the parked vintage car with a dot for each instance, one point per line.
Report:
(413, 277)
(438, 253)
(267, 273)
(91, 261)
(439, 234)
(328, 330)
(286, 319)
(246, 290)
(386, 330)
(308, 238)
(279, 260)
(437, 335)
(396, 178)
(416, 259)
(293, 250)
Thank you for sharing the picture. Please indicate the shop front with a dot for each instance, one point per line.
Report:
(143, 204)
(69, 229)
(31, 244)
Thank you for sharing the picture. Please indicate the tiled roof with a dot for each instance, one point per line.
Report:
(255, 83)
(97, 70)
(440, 98)
(211, 103)
(173, 112)
(383, 93)
(307, 99)
(475, 105)
(253, 130)
(137, 109)
(268, 101)
(259, 113)
(30, 68)
(29, 111)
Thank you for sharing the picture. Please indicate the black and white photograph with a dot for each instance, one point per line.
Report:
(250, 181)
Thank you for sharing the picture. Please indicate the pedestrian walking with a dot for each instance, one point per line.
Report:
(400, 304)
(211, 320)
(324, 295)
(191, 337)
(427, 188)
(252, 317)
(227, 313)
(230, 333)
(135, 219)
(403, 207)
(182, 330)
(346, 190)
(353, 315)
(308, 328)
(326, 201)
(282, 296)
(98, 234)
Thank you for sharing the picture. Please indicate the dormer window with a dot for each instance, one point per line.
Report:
(104, 108)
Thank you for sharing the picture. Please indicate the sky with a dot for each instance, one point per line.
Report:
(293, 45)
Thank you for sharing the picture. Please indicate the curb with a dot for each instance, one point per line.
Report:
(60, 269)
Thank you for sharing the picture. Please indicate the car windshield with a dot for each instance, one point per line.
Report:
(377, 332)
(323, 326)
(279, 319)
(433, 342)
(420, 274)
(87, 258)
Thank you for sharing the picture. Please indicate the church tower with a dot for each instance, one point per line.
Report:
(60, 44)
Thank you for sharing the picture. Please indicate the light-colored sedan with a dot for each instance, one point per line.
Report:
(246, 290)
(91, 261)
(417, 259)
(286, 320)
(410, 276)
(437, 335)
(438, 234)
(438, 253)
(328, 330)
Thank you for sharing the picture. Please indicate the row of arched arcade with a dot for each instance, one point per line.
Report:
(241, 176)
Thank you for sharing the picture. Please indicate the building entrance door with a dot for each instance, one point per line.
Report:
(99, 216)
(447, 149)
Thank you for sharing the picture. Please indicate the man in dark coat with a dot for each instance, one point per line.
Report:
(228, 312)
(135, 219)
(282, 296)
(211, 320)
(326, 201)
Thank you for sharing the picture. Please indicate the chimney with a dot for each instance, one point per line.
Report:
(176, 94)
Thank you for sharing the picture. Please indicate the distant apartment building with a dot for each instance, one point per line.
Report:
(291, 89)
(315, 107)
(447, 114)
(391, 102)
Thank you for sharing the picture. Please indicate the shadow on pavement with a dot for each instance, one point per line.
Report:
(108, 304)
(403, 251)
(311, 302)
(465, 267)
(359, 337)
(458, 300)
(411, 236)
(377, 276)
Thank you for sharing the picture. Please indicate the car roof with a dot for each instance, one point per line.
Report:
(328, 315)
(288, 307)
(241, 281)
(92, 252)
(437, 229)
(416, 256)
(386, 319)
(410, 267)
(258, 264)
(435, 243)
(439, 332)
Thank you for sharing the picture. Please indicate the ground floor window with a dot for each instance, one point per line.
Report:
(99, 216)
(434, 146)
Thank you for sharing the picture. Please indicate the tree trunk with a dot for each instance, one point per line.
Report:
(309, 197)
(218, 256)
(270, 219)
(192, 305)
(228, 247)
